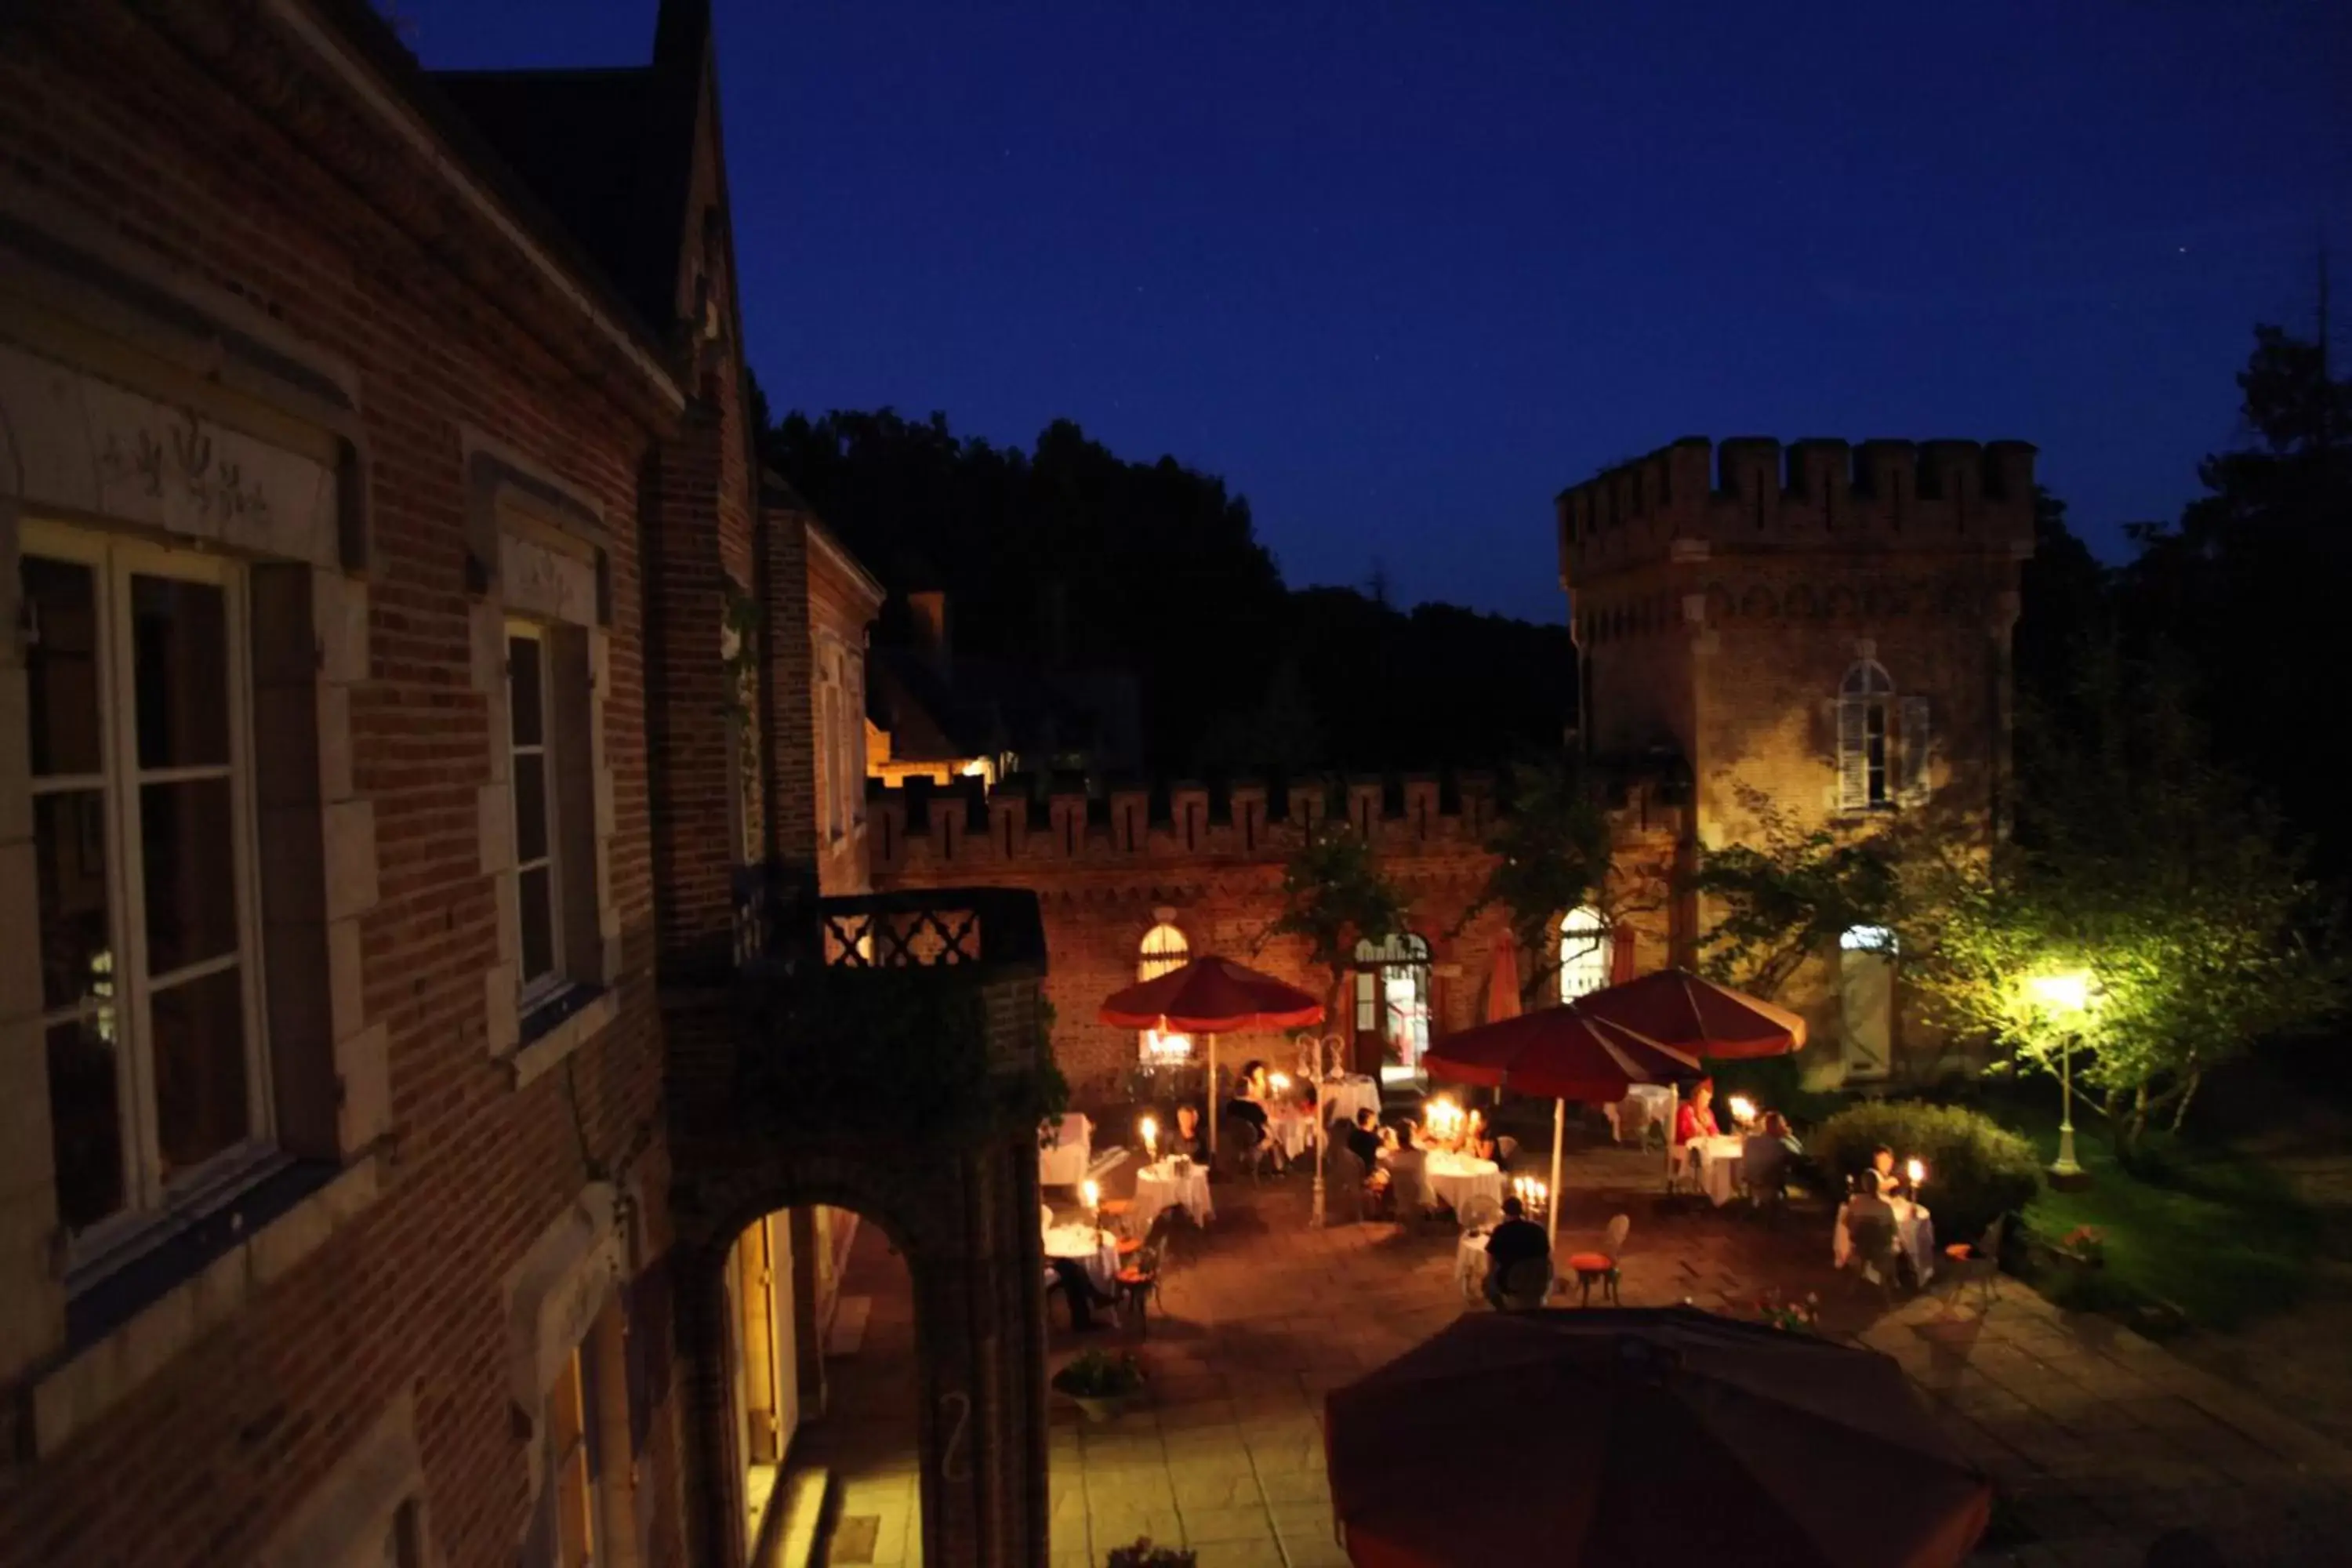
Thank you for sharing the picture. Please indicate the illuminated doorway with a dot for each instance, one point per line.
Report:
(1867, 1000)
(1392, 1007)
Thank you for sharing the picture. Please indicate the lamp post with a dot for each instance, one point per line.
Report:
(1326, 1050)
(2068, 994)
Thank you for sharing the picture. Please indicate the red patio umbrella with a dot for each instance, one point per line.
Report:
(1674, 1007)
(1646, 1439)
(1561, 1053)
(1212, 997)
(1502, 985)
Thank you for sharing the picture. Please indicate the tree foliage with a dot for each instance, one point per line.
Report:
(1789, 894)
(1334, 895)
(1069, 557)
(1551, 854)
(2149, 869)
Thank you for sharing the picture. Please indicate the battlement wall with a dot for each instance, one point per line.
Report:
(1698, 497)
(919, 829)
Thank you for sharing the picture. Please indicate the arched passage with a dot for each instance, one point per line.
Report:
(964, 1221)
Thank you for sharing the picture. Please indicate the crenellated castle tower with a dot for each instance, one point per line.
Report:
(1820, 633)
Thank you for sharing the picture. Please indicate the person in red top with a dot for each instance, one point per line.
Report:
(1696, 1119)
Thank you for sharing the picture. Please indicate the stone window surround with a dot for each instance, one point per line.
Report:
(553, 1297)
(538, 549)
(134, 400)
(344, 1519)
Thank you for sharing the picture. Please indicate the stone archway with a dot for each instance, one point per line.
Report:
(966, 1221)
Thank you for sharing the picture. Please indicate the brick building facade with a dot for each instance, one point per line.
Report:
(401, 663)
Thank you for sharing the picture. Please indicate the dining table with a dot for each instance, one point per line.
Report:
(1089, 1244)
(1292, 1128)
(1454, 1179)
(1719, 1166)
(1169, 1185)
(1915, 1237)
(1341, 1097)
(1471, 1262)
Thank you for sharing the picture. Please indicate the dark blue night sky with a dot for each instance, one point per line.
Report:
(1401, 271)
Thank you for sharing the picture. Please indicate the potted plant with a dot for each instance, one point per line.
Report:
(1143, 1554)
(1789, 1316)
(2086, 1245)
(1100, 1383)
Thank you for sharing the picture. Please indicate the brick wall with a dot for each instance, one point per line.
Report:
(1099, 884)
(181, 135)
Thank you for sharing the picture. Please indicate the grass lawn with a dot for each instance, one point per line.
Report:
(2200, 1224)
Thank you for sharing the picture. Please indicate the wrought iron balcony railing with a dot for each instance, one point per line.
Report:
(991, 932)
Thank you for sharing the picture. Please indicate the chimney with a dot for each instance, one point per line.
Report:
(927, 608)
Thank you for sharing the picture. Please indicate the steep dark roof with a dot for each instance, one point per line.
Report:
(603, 151)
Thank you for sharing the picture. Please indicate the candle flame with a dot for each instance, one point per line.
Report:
(1917, 1170)
(1093, 1193)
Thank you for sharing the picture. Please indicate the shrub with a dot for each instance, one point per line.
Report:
(1099, 1374)
(1143, 1554)
(1976, 1168)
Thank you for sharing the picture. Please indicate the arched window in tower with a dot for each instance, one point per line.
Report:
(1392, 1002)
(1584, 953)
(1864, 738)
(1164, 952)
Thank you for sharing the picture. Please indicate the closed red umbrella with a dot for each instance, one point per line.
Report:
(1674, 1007)
(1646, 1439)
(1212, 997)
(1502, 985)
(1559, 1053)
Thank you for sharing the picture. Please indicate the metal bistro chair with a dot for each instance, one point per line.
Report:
(1873, 1236)
(1252, 1148)
(1600, 1267)
(1138, 1282)
(1979, 1264)
(1483, 1212)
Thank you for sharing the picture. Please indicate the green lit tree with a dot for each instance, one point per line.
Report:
(1551, 854)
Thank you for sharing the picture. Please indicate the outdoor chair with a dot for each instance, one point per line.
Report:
(1978, 1263)
(1138, 1282)
(1483, 1212)
(1524, 1286)
(1764, 1172)
(1873, 1236)
(1251, 1148)
(1600, 1267)
(1346, 1180)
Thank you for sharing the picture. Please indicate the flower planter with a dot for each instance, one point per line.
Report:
(1101, 1406)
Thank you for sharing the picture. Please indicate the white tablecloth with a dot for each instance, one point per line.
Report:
(1645, 1104)
(1158, 1187)
(1097, 1249)
(1293, 1130)
(1455, 1179)
(1471, 1262)
(1343, 1097)
(1063, 1164)
(1718, 1167)
(1915, 1237)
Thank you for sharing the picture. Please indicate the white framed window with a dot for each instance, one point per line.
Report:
(538, 889)
(1864, 738)
(1584, 953)
(140, 751)
(1164, 952)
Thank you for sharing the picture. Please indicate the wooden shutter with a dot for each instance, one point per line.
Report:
(1853, 753)
(1917, 751)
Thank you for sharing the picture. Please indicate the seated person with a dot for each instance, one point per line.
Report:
(1189, 1140)
(1248, 1101)
(1071, 1276)
(1890, 1184)
(1868, 1202)
(1365, 1140)
(1516, 1239)
(1696, 1118)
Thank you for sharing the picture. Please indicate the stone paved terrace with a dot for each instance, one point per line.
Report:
(2098, 1440)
